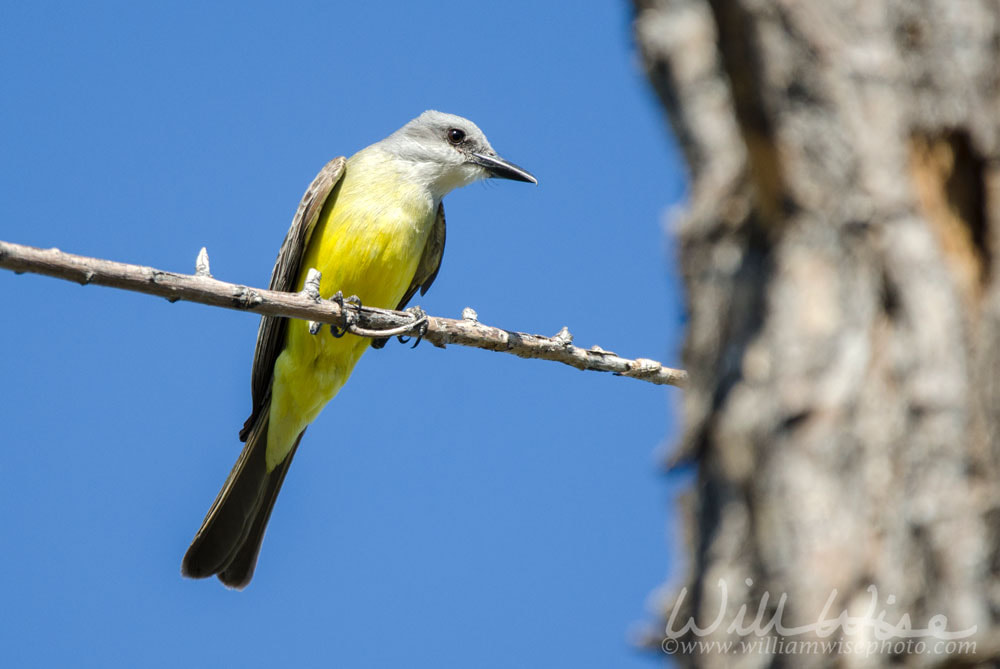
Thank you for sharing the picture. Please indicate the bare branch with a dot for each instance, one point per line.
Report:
(363, 321)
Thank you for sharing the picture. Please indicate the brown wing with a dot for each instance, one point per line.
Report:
(430, 261)
(271, 333)
(427, 269)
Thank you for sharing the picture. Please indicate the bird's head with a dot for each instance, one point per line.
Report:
(448, 152)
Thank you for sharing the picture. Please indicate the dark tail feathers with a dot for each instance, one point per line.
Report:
(230, 536)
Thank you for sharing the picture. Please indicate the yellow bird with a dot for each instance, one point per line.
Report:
(373, 225)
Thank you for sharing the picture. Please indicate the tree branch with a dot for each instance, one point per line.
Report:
(364, 321)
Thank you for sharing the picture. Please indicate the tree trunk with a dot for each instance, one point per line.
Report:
(843, 347)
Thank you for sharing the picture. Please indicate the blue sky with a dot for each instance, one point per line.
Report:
(449, 508)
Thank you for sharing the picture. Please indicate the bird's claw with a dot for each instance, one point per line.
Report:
(419, 321)
(350, 315)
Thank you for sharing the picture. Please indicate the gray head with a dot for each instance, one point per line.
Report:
(447, 151)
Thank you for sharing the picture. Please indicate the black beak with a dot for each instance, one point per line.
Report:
(501, 169)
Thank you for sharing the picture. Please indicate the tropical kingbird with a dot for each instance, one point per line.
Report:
(373, 225)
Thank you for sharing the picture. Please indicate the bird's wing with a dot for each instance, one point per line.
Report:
(427, 268)
(271, 333)
(430, 261)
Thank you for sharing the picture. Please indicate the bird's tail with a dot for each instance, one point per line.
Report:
(230, 536)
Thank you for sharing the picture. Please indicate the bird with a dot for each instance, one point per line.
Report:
(373, 225)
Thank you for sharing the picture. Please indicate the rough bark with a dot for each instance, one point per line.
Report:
(844, 332)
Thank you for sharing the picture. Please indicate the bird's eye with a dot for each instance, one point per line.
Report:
(455, 135)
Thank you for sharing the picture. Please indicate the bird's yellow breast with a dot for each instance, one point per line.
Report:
(367, 242)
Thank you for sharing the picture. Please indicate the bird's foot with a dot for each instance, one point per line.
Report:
(419, 324)
(350, 315)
